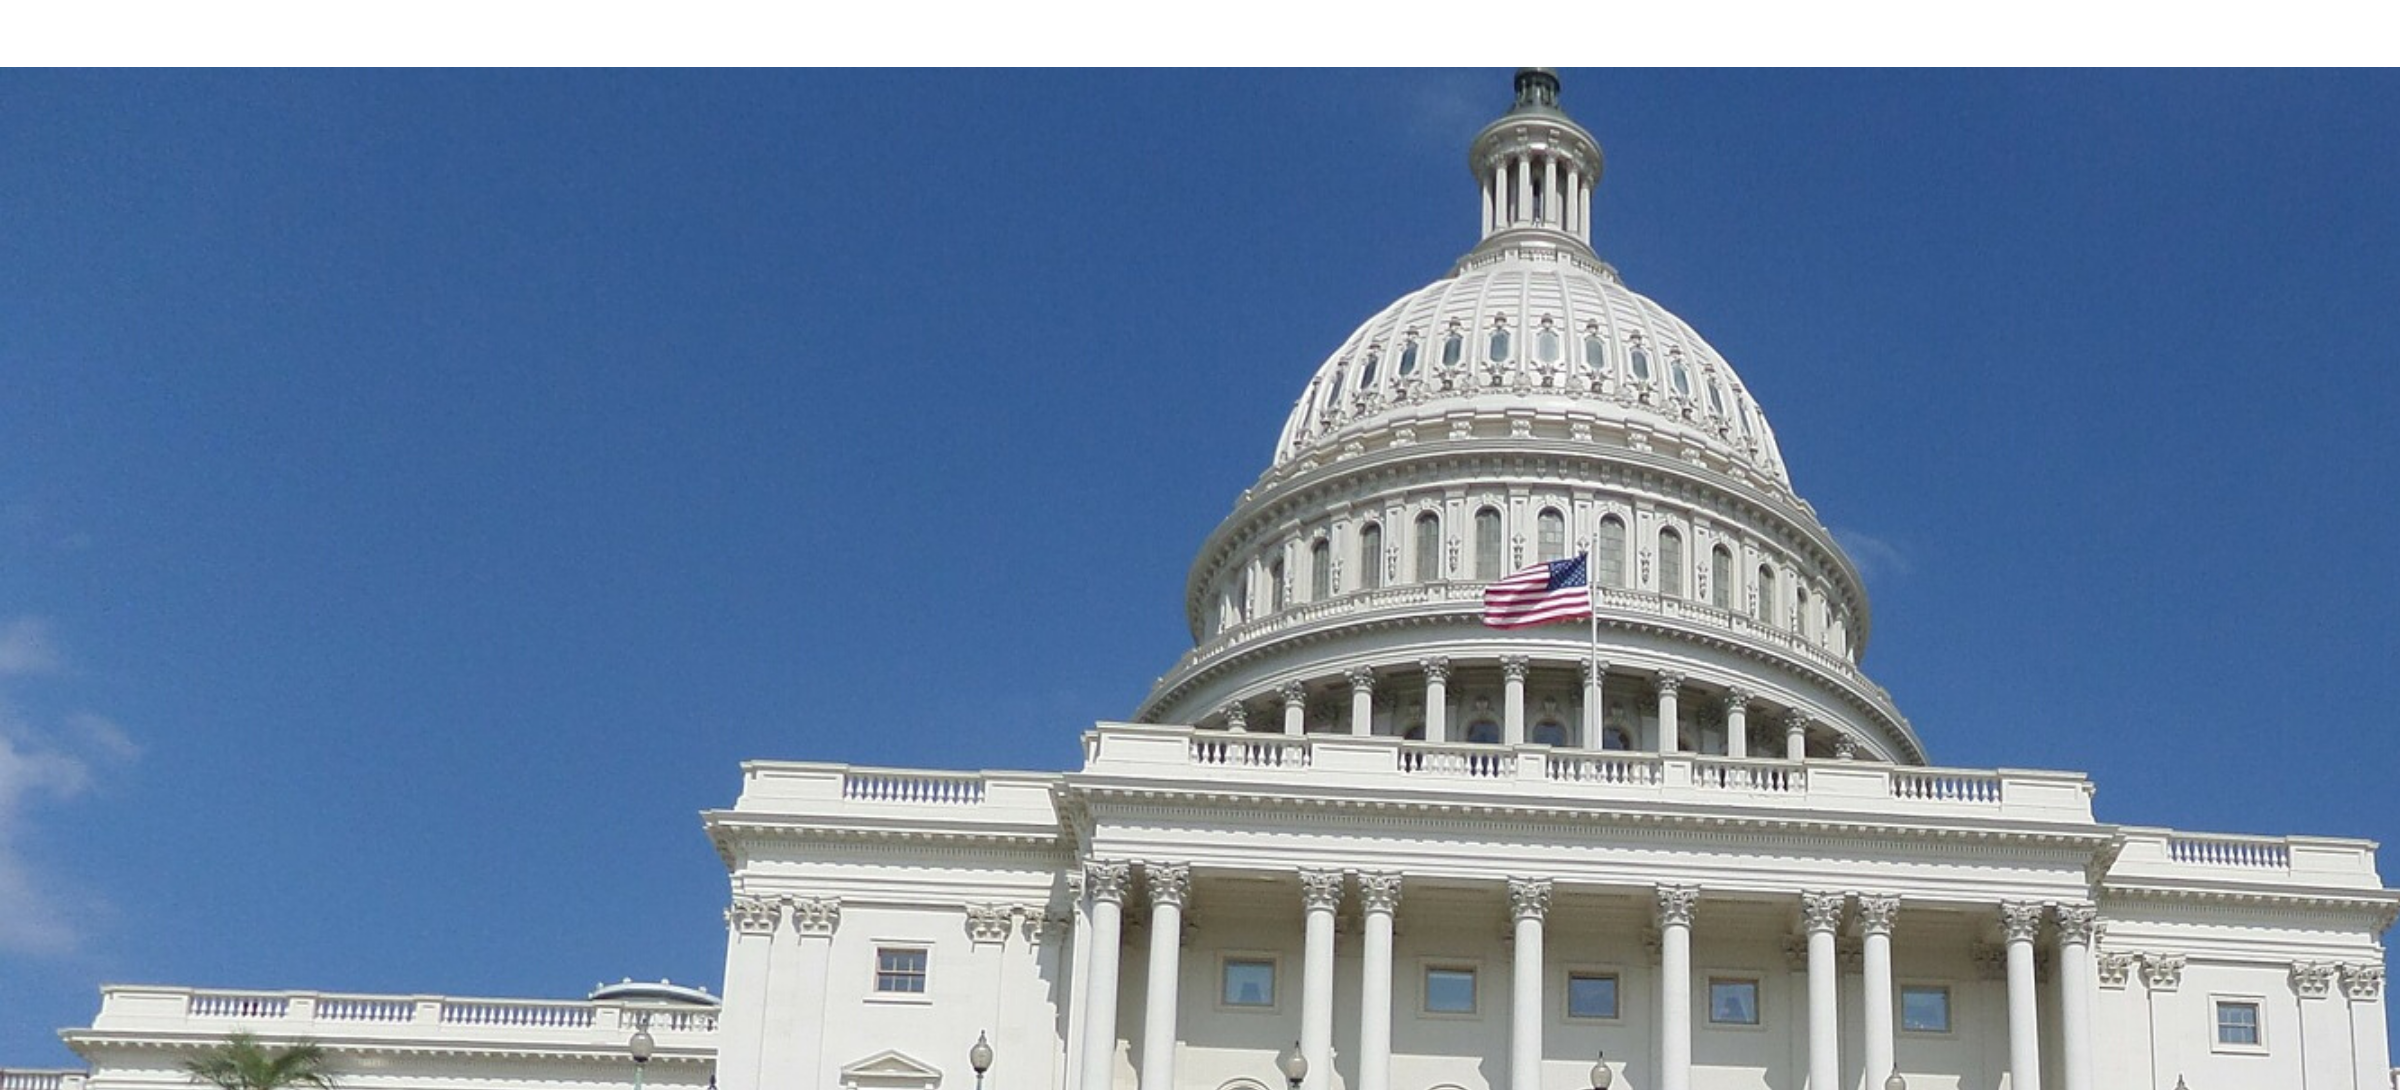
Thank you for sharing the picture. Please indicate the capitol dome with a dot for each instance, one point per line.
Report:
(1528, 406)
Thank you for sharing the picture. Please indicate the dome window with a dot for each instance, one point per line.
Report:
(1275, 584)
(1366, 374)
(1640, 357)
(1408, 356)
(1500, 343)
(1429, 547)
(1595, 353)
(1670, 563)
(1800, 614)
(1716, 398)
(1553, 534)
(1547, 347)
(1681, 377)
(1454, 347)
(1720, 578)
(1487, 543)
(1766, 594)
(1370, 556)
(1608, 551)
(1320, 570)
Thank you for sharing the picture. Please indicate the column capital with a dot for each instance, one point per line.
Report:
(2113, 967)
(1667, 682)
(1170, 883)
(1236, 716)
(1528, 897)
(2162, 972)
(2021, 921)
(2313, 979)
(815, 917)
(1321, 889)
(1738, 699)
(1595, 670)
(1845, 748)
(1876, 911)
(2362, 983)
(2078, 925)
(1107, 879)
(1513, 667)
(1378, 891)
(1293, 692)
(753, 915)
(1361, 678)
(989, 924)
(1796, 720)
(1437, 668)
(1822, 912)
(1676, 904)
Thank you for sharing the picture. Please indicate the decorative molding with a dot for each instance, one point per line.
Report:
(2362, 983)
(1528, 897)
(2021, 921)
(1676, 905)
(1876, 912)
(2113, 967)
(1514, 667)
(1170, 883)
(2162, 972)
(753, 915)
(815, 917)
(1991, 961)
(1293, 692)
(1795, 953)
(2314, 979)
(1321, 890)
(2078, 925)
(990, 924)
(1667, 682)
(1595, 670)
(1107, 879)
(1436, 668)
(1361, 679)
(1845, 748)
(1821, 911)
(1237, 717)
(1378, 891)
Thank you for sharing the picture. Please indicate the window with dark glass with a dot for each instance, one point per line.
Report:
(1275, 584)
(1487, 544)
(1454, 347)
(1370, 556)
(1733, 1002)
(1608, 552)
(1366, 371)
(1766, 594)
(1320, 570)
(1450, 990)
(2237, 1023)
(1595, 354)
(1640, 358)
(1408, 356)
(1249, 982)
(1547, 348)
(1670, 563)
(1429, 547)
(1720, 577)
(1924, 1008)
(1591, 995)
(1499, 344)
(1552, 534)
(900, 971)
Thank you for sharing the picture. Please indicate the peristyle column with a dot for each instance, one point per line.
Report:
(1378, 899)
(1670, 728)
(813, 921)
(1737, 722)
(1105, 881)
(1362, 700)
(1528, 902)
(1512, 705)
(1295, 707)
(1437, 698)
(1595, 674)
(1675, 905)
(1320, 897)
(1876, 912)
(2021, 923)
(750, 924)
(1169, 883)
(2075, 926)
(1795, 735)
(1821, 917)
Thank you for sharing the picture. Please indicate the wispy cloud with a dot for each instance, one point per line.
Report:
(1875, 556)
(42, 764)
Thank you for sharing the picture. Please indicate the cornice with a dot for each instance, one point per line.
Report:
(2380, 906)
(678, 1053)
(729, 831)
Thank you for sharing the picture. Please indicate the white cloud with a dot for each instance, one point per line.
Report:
(41, 767)
(1874, 556)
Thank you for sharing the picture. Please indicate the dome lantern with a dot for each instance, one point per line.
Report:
(1536, 168)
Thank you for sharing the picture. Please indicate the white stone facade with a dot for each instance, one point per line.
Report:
(1691, 836)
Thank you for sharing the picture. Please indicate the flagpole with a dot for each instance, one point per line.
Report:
(1591, 597)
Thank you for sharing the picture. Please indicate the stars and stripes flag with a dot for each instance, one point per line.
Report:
(1555, 590)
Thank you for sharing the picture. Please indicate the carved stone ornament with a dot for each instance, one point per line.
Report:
(1595, 671)
(2077, 924)
(2313, 979)
(1436, 668)
(815, 917)
(1107, 879)
(1991, 961)
(1361, 678)
(1676, 904)
(1237, 717)
(2162, 972)
(1293, 693)
(1528, 897)
(2113, 968)
(988, 924)
(1378, 891)
(2362, 983)
(1737, 697)
(1876, 911)
(1667, 682)
(1321, 890)
(1513, 667)
(2021, 921)
(1845, 748)
(752, 915)
(1821, 911)
(1170, 883)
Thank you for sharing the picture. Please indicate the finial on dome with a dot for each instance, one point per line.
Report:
(1537, 88)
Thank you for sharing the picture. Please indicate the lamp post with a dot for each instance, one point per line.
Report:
(641, 1047)
(1602, 1077)
(980, 1056)
(1294, 1065)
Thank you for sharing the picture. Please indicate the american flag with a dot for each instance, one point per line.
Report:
(1555, 590)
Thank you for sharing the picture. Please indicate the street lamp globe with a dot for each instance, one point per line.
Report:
(1895, 1082)
(980, 1056)
(1602, 1077)
(1294, 1065)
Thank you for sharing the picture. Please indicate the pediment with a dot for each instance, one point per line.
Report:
(890, 1070)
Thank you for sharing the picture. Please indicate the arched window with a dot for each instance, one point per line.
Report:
(1641, 362)
(1320, 570)
(1454, 347)
(1681, 377)
(1548, 733)
(1547, 348)
(1429, 547)
(1370, 556)
(1275, 582)
(1499, 344)
(1716, 398)
(1800, 611)
(1670, 563)
(1766, 594)
(1408, 356)
(1595, 353)
(1720, 578)
(1484, 732)
(1553, 534)
(1366, 374)
(1487, 544)
(1242, 597)
(1608, 551)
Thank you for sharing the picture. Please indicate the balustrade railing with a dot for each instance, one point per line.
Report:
(504, 1013)
(1621, 769)
(682, 1021)
(1729, 774)
(1253, 751)
(915, 787)
(1469, 761)
(2230, 851)
(238, 1005)
(33, 1080)
(1946, 785)
(337, 1008)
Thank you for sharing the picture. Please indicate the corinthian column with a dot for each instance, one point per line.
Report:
(1105, 881)
(1737, 722)
(1821, 916)
(813, 921)
(1670, 724)
(750, 924)
(2075, 926)
(1512, 712)
(1437, 698)
(1876, 913)
(1169, 882)
(1320, 896)
(1595, 675)
(2021, 923)
(1528, 902)
(1675, 904)
(1378, 899)
(1295, 707)
(1362, 700)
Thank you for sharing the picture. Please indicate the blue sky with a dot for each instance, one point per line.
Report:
(422, 490)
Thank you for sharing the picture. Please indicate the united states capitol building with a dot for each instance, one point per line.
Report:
(1357, 837)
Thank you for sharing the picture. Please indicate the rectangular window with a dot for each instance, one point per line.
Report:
(1591, 995)
(899, 971)
(2237, 1023)
(1733, 1002)
(1450, 991)
(1924, 1008)
(1249, 982)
